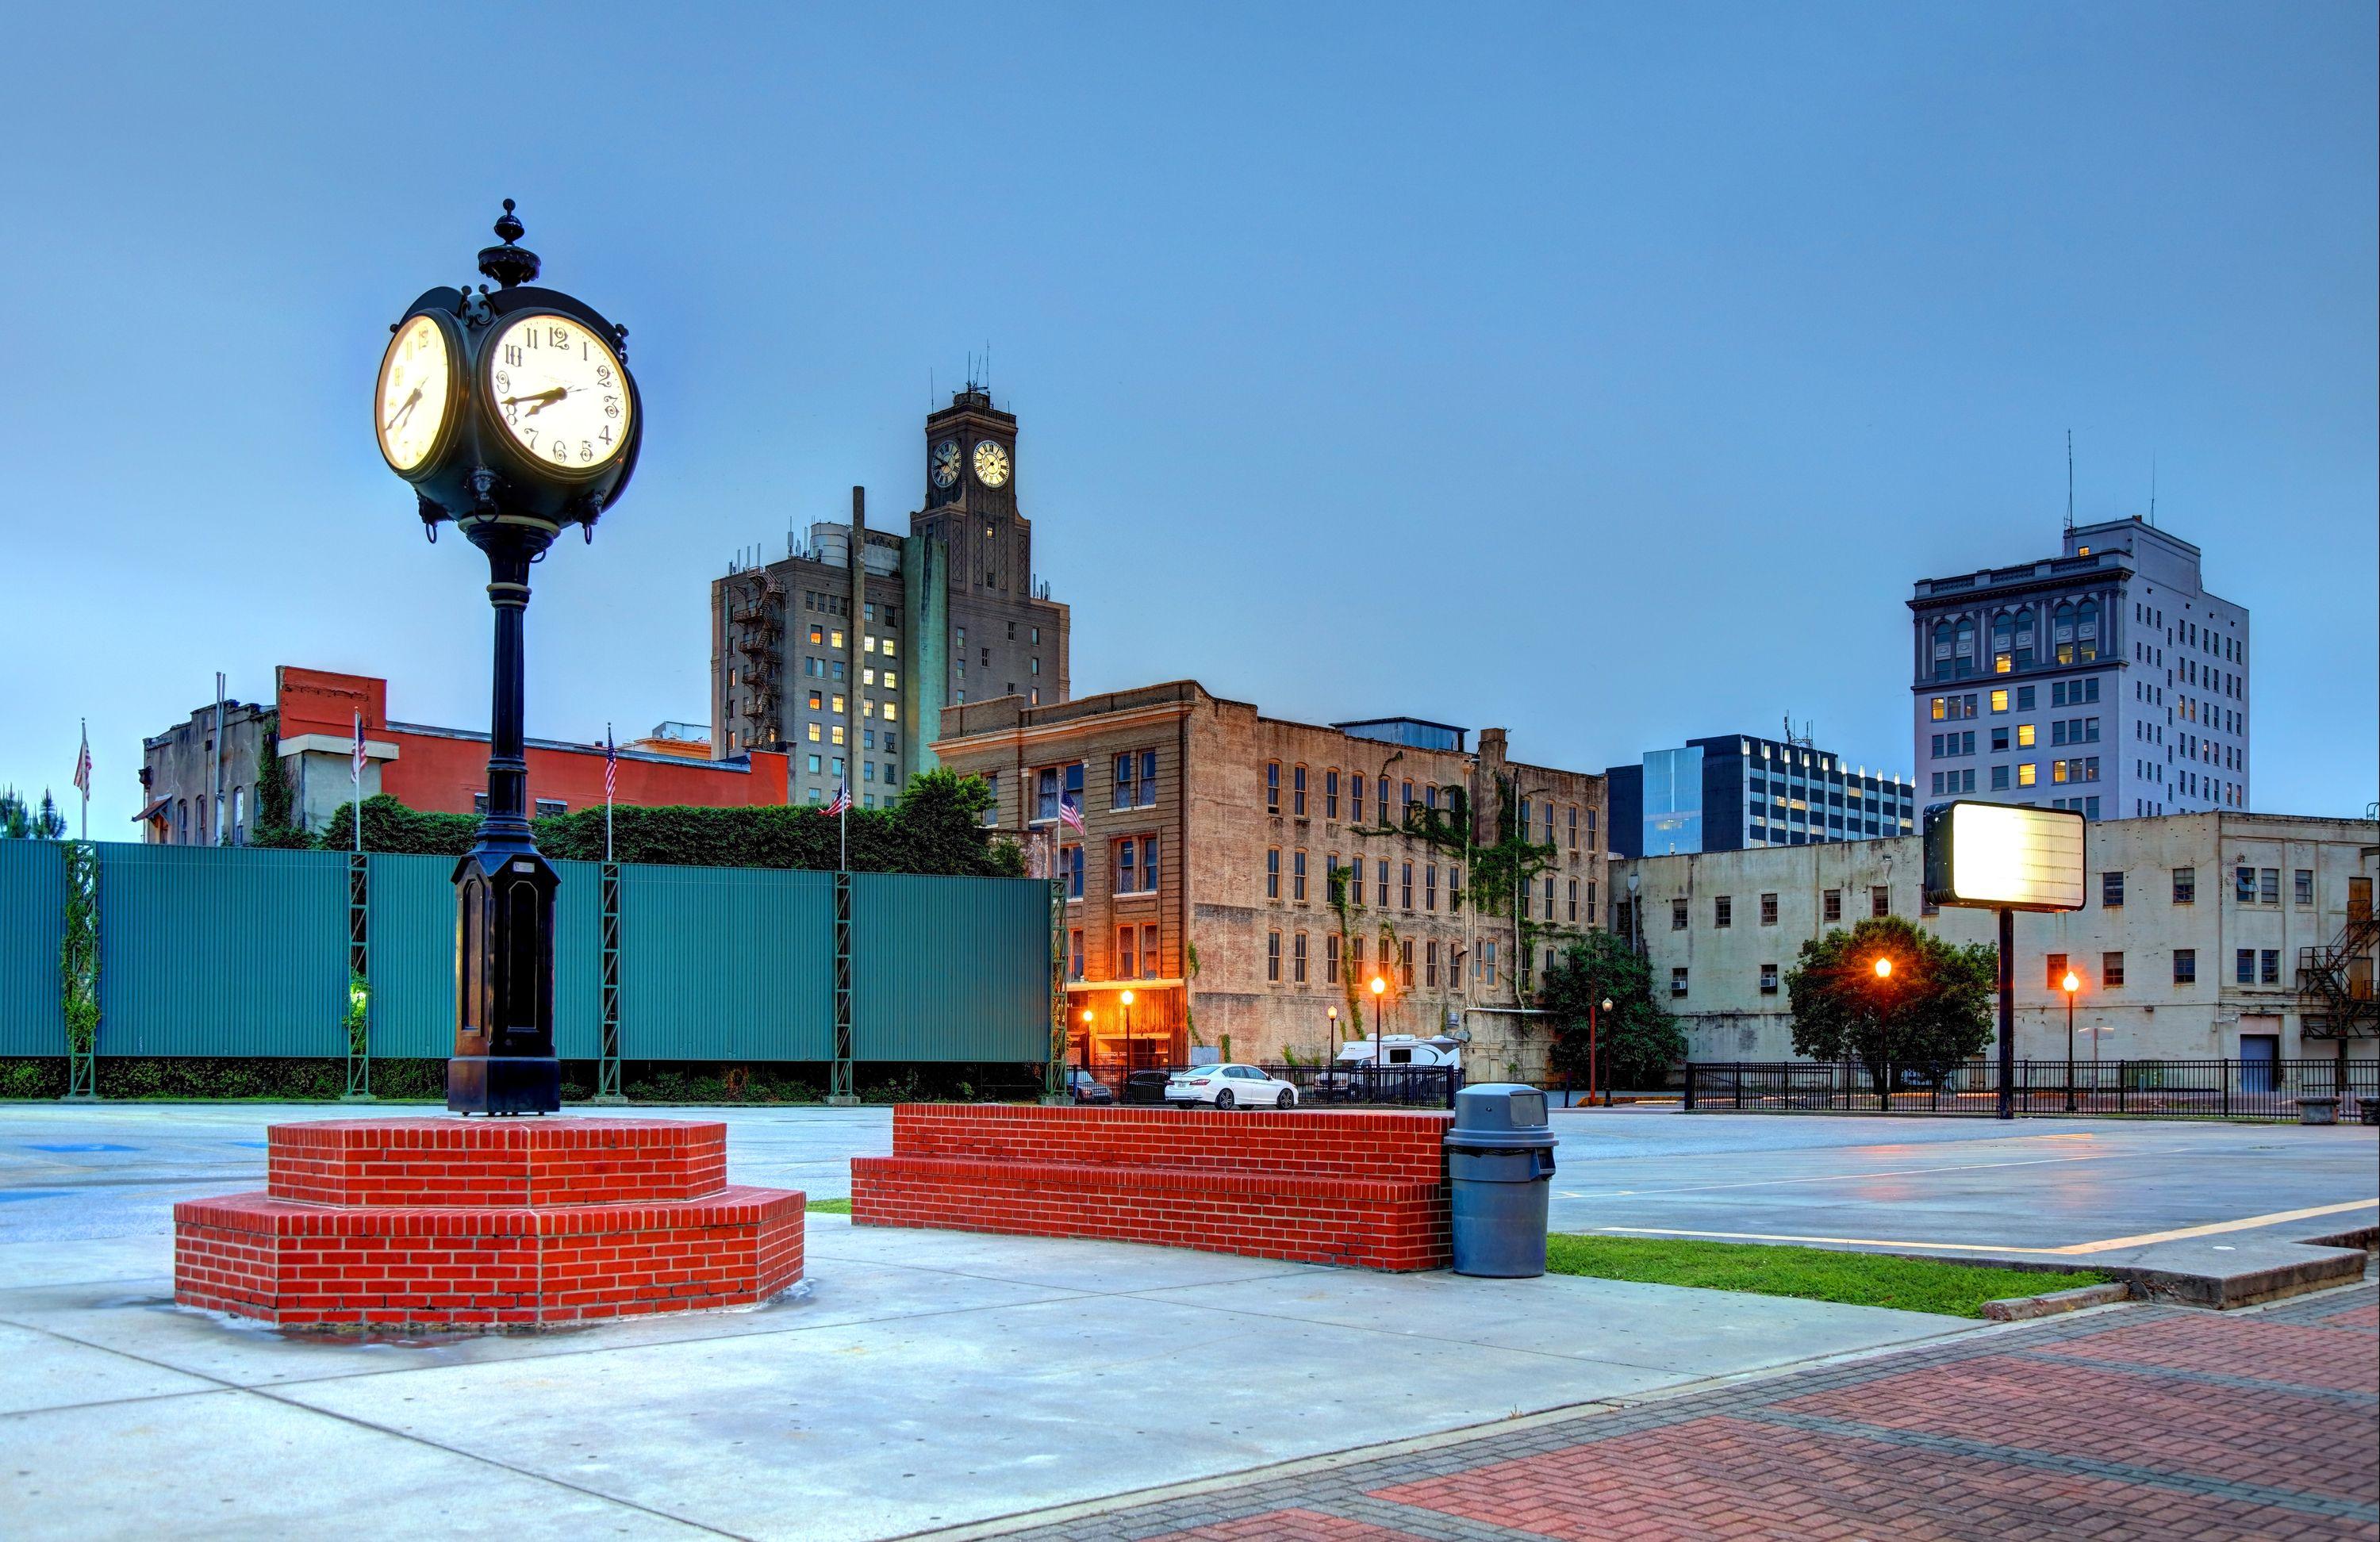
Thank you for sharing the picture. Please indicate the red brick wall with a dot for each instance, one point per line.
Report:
(445, 1162)
(1363, 1189)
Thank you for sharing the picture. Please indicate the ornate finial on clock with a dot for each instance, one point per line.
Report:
(508, 264)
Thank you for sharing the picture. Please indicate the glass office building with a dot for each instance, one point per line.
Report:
(1737, 793)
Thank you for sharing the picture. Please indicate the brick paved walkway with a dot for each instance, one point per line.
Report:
(2143, 1422)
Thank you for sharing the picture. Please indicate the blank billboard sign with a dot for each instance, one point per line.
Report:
(2004, 857)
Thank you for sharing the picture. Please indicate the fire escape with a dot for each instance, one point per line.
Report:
(756, 632)
(2338, 975)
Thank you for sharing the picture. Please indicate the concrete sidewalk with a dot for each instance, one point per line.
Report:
(924, 1379)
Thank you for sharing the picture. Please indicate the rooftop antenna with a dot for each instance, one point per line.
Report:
(2070, 481)
(2152, 459)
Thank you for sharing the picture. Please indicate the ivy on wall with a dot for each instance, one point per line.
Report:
(79, 951)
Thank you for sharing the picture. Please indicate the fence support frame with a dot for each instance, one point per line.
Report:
(359, 1034)
(607, 1062)
(839, 1090)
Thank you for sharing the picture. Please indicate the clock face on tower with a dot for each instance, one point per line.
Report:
(414, 398)
(559, 390)
(990, 463)
(946, 463)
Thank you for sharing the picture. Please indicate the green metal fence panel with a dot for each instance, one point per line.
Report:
(726, 963)
(950, 968)
(32, 928)
(222, 950)
(577, 962)
(411, 937)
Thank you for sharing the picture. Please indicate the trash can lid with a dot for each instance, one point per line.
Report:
(1500, 1114)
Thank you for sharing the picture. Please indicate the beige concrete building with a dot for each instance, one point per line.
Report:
(2205, 936)
(1214, 840)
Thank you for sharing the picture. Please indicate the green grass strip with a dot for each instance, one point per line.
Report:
(1811, 1273)
(829, 1206)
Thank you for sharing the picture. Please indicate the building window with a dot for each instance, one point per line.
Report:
(1356, 797)
(1677, 982)
(1430, 965)
(1330, 958)
(1297, 792)
(1127, 953)
(1573, 830)
(1272, 956)
(1406, 886)
(2304, 891)
(1879, 900)
(1273, 872)
(991, 783)
(1573, 902)
(1382, 787)
(1723, 911)
(2243, 885)
(2269, 966)
(1273, 786)
(1404, 964)
(2185, 885)
(1330, 794)
(1353, 881)
(1769, 979)
(1136, 865)
(2185, 965)
(1297, 876)
(1383, 866)
(2111, 971)
(1488, 957)
(2111, 890)
(1832, 901)
(2057, 970)
(1767, 910)
(1057, 786)
(2025, 735)
(1429, 887)
(1999, 701)
(1356, 959)
(1070, 868)
(1677, 915)
(1074, 954)
(2244, 967)
(2269, 881)
(1297, 959)
(2027, 773)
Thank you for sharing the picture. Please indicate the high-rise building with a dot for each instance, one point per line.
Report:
(842, 653)
(1736, 792)
(2107, 680)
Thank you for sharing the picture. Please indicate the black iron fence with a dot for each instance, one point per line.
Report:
(2267, 1089)
(1339, 1083)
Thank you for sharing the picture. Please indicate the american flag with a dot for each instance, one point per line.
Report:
(356, 762)
(611, 763)
(82, 764)
(842, 800)
(1069, 815)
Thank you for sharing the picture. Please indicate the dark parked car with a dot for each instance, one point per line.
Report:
(1146, 1087)
(1087, 1089)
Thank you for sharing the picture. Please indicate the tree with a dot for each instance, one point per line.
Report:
(21, 821)
(1636, 1042)
(1931, 1013)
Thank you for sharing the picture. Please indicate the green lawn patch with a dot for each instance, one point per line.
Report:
(829, 1206)
(1811, 1273)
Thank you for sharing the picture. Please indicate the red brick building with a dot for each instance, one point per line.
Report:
(200, 777)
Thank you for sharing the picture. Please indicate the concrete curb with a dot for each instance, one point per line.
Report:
(2024, 1308)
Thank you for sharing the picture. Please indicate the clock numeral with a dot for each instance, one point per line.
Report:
(504, 380)
(610, 406)
(512, 354)
(558, 336)
(602, 374)
(604, 435)
(560, 451)
(586, 451)
(531, 436)
(530, 336)
(512, 412)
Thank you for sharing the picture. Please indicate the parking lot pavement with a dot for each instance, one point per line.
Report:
(922, 1379)
(2022, 1188)
(2136, 1420)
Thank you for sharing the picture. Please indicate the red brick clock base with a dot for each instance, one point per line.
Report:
(487, 1223)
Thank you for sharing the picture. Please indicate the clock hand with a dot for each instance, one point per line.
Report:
(404, 411)
(539, 400)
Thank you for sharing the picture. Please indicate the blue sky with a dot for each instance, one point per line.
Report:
(1606, 372)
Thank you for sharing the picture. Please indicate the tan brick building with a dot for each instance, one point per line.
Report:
(1202, 882)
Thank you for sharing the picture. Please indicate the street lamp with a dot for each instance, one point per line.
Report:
(2070, 984)
(513, 415)
(1884, 968)
(1380, 1022)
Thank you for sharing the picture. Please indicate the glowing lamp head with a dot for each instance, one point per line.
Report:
(1331, 1013)
(1607, 1003)
(1884, 968)
(1126, 998)
(1380, 986)
(1086, 1015)
(2072, 983)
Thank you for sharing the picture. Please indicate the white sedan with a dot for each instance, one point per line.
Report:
(1230, 1087)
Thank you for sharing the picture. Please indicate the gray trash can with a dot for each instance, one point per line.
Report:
(1500, 1157)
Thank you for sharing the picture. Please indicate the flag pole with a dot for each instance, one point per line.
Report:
(82, 777)
(610, 754)
(355, 776)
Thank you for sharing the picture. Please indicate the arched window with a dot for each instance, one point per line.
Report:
(2086, 630)
(1966, 648)
(1942, 649)
(2024, 638)
(182, 822)
(2062, 632)
(2003, 642)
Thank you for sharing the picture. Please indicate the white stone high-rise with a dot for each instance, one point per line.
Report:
(2107, 679)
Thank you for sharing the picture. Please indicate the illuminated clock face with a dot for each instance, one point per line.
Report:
(559, 390)
(414, 399)
(946, 463)
(990, 463)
